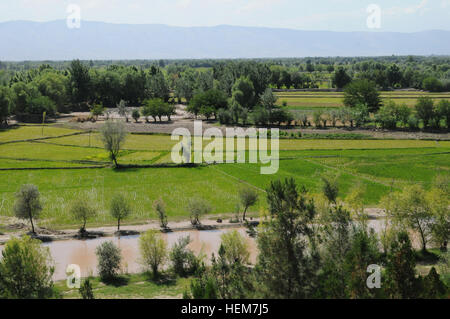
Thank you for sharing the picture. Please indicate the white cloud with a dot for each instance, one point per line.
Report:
(418, 8)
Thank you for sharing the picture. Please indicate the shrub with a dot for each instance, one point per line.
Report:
(413, 122)
(425, 109)
(109, 259)
(86, 290)
(26, 270)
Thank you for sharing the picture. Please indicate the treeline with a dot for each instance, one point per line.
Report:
(308, 247)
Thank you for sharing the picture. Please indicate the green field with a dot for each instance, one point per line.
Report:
(330, 100)
(371, 164)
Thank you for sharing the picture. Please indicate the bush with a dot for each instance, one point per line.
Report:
(86, 290)
(279, 116)
(432, 84)
(236, 247)
(26, 270)
(109, 259)
(386, 116)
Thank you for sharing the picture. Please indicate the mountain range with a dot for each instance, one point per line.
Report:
(26, 40)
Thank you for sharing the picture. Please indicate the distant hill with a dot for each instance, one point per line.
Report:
(25, 40)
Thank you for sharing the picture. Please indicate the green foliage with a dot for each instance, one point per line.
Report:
(113, 135)
(208, 103)
(136, 115)
(341, 78)
(401, 281)
(160, 207)
(286, 268)
(244, 92)
(249, 197)
(28, 204)
(184, 262)
(153, 249)
(362, 92)
(97, 110)
(432, 84)
(235, 246)
(109, 259)
(26, 270)
(86, 291)
(6, 104)
(197, 208)
(157, 108)
(82, 211)
(425, 109)
(120, 208)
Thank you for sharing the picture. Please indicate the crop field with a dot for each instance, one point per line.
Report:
(330, 100)
(74, 166)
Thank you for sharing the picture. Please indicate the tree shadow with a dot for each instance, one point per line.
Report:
(118, 281)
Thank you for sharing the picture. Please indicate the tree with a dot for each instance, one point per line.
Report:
(82, 211)
(236, 247)
(26, 270)
(330, 188)
(113, 135)
(86, 290)
(28, 204)
(268, 99)
(6, 104)
(198, 207)
(341, 78)
(109, 260)
(249, 197)
(401, 279)
(438, 202)
(425, 109)
(432, 84)
(160, 207)
(120, 209)
(394, 75)
(244, 92)
(362, 92)
(97, 110)
(153, 250)
(79, 82)
(213, 99)
(183, 260)
(443, 111)
(122, 109)
(412, 209)
(286, 268)
(136, 115)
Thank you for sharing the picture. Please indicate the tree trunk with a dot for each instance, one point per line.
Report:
(118, 224)
(32, 225)
(245, 211)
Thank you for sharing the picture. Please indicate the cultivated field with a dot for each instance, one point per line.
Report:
(30, 155)
(330, 100)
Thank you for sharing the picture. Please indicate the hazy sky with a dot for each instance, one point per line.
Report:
(335, 15)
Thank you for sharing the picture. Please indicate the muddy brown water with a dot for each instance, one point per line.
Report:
(82, 252)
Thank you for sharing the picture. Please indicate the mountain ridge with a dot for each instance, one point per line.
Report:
(53, 40)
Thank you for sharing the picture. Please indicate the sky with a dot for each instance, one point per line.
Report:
(333, 15)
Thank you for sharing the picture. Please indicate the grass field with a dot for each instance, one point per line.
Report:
(330, 100)
(135, 286)
(371, 164)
